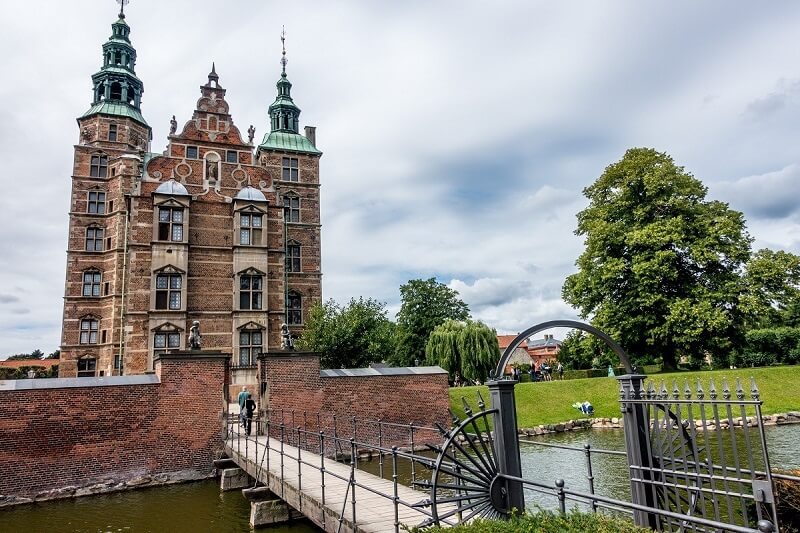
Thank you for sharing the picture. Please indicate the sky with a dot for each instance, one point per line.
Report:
(457, 137)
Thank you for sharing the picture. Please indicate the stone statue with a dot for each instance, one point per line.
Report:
(173, 125)
(195, 340)
(286, 338)
(211, 170)
(86, 134)
(251, 132)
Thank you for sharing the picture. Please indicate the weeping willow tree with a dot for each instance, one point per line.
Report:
(469, 348)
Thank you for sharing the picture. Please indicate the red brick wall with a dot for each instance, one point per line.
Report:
(294, 383)
(112, 435)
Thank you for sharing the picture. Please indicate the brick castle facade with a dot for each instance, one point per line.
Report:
(216, 228)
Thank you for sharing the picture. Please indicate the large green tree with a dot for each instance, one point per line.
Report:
(425, 304)
(349, 336)
(661, 271)
(469, 348)
(771, 293)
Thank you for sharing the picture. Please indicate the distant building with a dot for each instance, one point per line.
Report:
(543, 349)
(519, 356)
(216, 228)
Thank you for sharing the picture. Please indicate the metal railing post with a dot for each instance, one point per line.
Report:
(380, 448)
(353, 479)
(562, 498)
(590, 473)
(322, 473)
(396, 498)
(637, 441)
(413, 470)
(282, 479)
(506, 443)
(299, 469)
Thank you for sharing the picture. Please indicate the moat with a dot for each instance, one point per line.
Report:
(201, 507)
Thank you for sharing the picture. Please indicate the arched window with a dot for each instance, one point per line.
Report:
(293, 256)
(294, 308)
(91, 283)
(94, 239)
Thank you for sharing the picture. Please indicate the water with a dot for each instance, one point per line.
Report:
(201, 507)
(191, 508)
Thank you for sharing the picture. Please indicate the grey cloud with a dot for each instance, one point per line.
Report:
(772, 195)
(8, 298)
(774, 102)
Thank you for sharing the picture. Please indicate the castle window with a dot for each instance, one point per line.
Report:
(89, 328)
(97, 203)
(91, 283)
(112, 132)
(168, 291)
(170, 224)
(294, 308)
(98, 167)
(289, 169)
(87, 367)
(231, 156)
(94, 239)
(292, 206)
(191, 152)
(166, 340)
(251, 343)
(251, 292)
(250, 225)
(293, 256)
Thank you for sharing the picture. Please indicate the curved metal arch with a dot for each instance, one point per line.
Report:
(616, 348)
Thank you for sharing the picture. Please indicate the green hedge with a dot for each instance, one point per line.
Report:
(548, 522)
(770, 346)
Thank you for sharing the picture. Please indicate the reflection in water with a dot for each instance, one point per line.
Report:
(191, 507)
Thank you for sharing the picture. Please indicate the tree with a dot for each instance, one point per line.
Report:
(351, 336)
(469, 348)
(771, 294)
(425, 305)
(55, 355)
(36, 354)
(661, 272)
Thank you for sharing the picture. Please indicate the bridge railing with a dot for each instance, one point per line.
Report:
(390, 449)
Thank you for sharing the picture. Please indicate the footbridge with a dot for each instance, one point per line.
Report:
(346, 475)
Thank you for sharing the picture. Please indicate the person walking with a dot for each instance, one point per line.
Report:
(249, 408)
(242, 398)
(560, 370)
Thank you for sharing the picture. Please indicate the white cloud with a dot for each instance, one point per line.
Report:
(457, 139)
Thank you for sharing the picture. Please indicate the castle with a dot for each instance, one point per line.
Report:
(216, 228)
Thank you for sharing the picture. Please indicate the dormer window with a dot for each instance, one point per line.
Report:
(98, 167)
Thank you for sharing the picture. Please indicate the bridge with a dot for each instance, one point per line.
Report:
(288, 470)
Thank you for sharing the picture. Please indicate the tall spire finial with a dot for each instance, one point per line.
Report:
(122, 4)
(283, 54)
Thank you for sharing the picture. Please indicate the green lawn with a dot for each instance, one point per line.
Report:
(551, 402)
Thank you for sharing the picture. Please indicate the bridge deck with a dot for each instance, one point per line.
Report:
(300, 485)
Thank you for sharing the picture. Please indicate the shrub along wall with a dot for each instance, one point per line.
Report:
(74, 436)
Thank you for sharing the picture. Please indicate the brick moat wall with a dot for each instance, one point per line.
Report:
(111, 433)
(418, 395)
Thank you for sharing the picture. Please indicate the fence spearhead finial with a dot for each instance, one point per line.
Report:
(687, 390)
(754, 389)
(726, 390)
(739, 389)
(712, 389)
(700, 393)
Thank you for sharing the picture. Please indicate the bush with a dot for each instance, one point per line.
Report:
(548, 522)
(788, 502)
(769, 346)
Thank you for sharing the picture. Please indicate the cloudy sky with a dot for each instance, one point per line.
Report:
(457, 137)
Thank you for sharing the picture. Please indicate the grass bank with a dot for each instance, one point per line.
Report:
(551, 401)
(546, 522)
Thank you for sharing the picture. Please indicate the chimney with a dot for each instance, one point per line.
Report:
(311, 134)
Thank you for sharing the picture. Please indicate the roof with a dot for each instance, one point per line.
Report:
(18, 363)
(252, 194)
(116, 109)
(390, 371)
(505, 340)
(542, 343)
(172, 188)
(288, 142)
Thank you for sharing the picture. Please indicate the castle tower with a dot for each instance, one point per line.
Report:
(213, 229)
(294, 160)
(113, 137)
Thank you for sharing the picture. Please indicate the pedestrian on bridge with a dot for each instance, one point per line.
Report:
(242, 398)
(249, 407)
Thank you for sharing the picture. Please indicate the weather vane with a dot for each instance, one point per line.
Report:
(122, 4)
(283, 44)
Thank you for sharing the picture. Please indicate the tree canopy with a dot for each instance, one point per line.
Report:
(350, 336)
(424, 305)
(469, 348)
(662, 268)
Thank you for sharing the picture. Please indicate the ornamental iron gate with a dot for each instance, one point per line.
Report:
(698, 460)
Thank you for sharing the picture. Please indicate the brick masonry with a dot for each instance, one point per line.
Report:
(76, 440)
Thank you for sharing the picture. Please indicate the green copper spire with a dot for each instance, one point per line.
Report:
(283, 113)
(117, 90)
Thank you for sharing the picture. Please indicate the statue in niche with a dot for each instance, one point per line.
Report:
(195, 340)
(173, 125)
(286, 338)
(86, 134)
(211, 170)
(251, 132)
